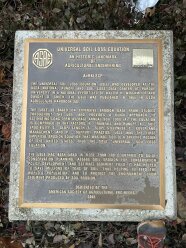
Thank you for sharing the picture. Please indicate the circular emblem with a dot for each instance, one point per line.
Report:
(42, 58)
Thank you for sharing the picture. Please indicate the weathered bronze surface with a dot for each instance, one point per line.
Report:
(92, 126)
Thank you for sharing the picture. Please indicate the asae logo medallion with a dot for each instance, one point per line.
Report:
(42, 58)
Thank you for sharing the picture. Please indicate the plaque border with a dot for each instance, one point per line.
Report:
(21, 202)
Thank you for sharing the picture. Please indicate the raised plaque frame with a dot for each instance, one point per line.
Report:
(165, 70)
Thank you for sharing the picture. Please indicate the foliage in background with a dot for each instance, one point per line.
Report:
(87, 15)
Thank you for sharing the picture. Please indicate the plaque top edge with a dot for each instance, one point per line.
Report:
(88, 40)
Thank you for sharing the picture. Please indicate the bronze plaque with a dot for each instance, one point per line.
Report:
(92, 124)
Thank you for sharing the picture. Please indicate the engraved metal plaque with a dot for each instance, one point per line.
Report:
(92, 124)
